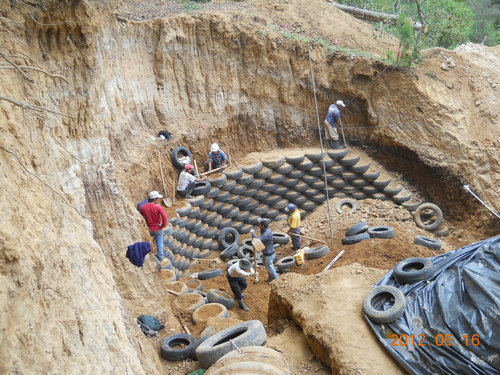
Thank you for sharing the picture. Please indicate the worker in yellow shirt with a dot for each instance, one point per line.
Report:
(294, 224)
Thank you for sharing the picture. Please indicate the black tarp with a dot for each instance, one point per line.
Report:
(461, 298)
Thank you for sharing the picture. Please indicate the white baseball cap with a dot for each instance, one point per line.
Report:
(154, 194)
(215, 147)
(340, 102)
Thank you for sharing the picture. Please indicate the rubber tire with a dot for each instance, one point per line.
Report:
(316, 252)
(294, 160)
(217, 181)
(281, 238)
(174, 354)
(252, 168)
(209, 274)
(285, 263)
(351, 240)
(387, 316)
(219, 296)
(437, 211)
(403, 276)
(222, 237)
(184, 210)
(249, 333)
(429, 243)
(229, 251)
(233, 174)
(202, 188)
(357, 229)
(349, 201)
(175, 156)
(381, 231)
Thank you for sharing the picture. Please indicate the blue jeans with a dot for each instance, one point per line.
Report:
(188, 190)
(296, 243)
(159, 244)
(268, 263)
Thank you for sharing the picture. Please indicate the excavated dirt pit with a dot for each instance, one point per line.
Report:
(327, 306)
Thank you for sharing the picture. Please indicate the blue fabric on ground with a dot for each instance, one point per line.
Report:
(137, 252)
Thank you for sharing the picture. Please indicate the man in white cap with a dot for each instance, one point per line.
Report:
(294, 224)
(187, 181)
(331, 121)
(216, 158)
(156, 219)
(236, 276)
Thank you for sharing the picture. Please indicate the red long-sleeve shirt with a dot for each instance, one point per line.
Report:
(155, 216)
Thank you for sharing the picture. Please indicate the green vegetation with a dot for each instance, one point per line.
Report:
(189, 5)
(448, 22)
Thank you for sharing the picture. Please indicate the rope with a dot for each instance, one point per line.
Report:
(322, 150)
(467, 188)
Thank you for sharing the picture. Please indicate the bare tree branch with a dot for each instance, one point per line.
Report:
(15, 66)
(38, 70)
(33, 107)
(43, 182)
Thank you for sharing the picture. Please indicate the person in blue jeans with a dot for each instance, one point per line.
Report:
(268, 254)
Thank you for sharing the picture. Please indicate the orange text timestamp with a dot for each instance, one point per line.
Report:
(439, 340)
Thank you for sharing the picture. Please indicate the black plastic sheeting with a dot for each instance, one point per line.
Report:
(461, 298)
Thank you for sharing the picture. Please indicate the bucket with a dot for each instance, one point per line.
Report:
(299, 257)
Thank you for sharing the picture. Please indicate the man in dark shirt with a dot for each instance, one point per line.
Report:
(216, 158)
(268, 254)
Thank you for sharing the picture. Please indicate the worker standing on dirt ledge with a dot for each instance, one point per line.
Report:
(266, 236)
(156, 219)
(236, 276)
(331, 121)
(294, 224)
(187, 181)
(216, 158)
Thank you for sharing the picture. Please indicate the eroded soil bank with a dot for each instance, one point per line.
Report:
(70, 181)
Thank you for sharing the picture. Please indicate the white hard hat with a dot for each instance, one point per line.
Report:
(154, 194)
(340, 102)
(215, 147)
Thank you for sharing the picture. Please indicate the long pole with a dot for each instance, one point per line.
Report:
(322, 150)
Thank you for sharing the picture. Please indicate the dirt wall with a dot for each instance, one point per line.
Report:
(70, 182)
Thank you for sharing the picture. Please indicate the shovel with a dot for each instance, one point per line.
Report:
(257, 246)
(167, 202)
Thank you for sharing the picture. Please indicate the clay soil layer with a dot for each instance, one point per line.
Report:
(328, 308)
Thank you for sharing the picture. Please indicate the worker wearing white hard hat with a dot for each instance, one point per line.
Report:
(331, 121)
(216, 158)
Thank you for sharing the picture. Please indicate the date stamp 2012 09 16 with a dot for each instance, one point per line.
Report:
(439, 340)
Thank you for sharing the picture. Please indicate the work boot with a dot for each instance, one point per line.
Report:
(336, 144)
(189, 196)
(270, 279)
(242, 305)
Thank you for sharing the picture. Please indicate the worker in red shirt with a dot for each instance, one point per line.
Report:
(156, 219)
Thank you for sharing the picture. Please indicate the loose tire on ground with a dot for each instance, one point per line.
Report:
(209, 274)
(351, 240)
(281, 238)
(437, 211)
(249, 333)
(381, 231)
(357, 229)
(412, 270)
(178, 347)
(429, 243)
(219, 296)
(376, 296)
(316, 252)
(346, 202)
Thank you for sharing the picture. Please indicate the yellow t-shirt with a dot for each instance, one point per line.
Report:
(294, 219)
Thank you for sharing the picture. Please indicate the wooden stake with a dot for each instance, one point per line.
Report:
(173, 193)
(211, 171)
(195, 167)
(186, 329)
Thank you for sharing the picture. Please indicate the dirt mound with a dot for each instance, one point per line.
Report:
(83, 93)
(328, 308)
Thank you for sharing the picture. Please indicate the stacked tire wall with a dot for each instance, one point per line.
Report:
(264, 188)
